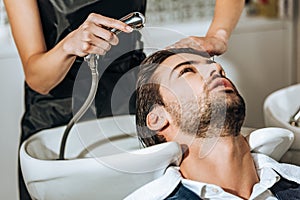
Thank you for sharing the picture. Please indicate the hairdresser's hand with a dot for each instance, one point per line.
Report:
(92, 37)
(211, 44)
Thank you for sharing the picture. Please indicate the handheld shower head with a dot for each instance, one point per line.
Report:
(135, 20)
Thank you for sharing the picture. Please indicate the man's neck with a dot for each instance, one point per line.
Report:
(228, 164)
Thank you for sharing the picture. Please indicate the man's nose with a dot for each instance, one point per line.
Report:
(211, 70)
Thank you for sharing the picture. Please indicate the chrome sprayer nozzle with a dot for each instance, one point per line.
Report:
(295, 119)
(135, 20)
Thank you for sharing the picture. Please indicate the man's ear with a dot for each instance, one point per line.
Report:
(157, 118)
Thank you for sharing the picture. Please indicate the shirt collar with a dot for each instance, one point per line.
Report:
(267, 176)
(265, 166)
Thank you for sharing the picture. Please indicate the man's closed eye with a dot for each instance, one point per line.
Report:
(186, 70)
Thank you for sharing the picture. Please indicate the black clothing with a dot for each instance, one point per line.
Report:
(182, 193)
(59, 18)
(286, 190)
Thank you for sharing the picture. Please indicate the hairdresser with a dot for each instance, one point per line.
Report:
(53, 36)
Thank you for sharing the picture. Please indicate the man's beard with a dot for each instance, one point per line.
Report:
(219, 114)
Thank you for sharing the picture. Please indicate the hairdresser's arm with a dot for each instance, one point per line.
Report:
(226, 16)
(45, 68)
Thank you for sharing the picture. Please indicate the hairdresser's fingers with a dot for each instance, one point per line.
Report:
(79, 44)
(109, 22)
(211, 45)
(214, 46)
(86, 48)
(92, 50)
(99, 46)
(188, 42)
(89, 32)
(89, 38)
(93, 36)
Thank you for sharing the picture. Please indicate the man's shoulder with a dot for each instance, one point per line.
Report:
(159, 188)
(287, 171)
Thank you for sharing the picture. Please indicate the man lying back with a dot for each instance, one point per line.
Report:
(185, 97)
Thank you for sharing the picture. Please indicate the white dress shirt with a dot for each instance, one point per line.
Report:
(268, 177)
(265, 166)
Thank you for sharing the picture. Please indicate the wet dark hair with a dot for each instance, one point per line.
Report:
(148, 95)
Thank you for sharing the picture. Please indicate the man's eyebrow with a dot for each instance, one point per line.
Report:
(181, 64)
(192, 62)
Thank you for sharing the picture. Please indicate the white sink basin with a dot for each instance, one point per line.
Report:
(104, 161)
(280, 106)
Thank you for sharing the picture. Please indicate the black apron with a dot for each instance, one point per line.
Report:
(59, 18)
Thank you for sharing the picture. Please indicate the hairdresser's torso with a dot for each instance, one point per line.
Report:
(59, 18)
